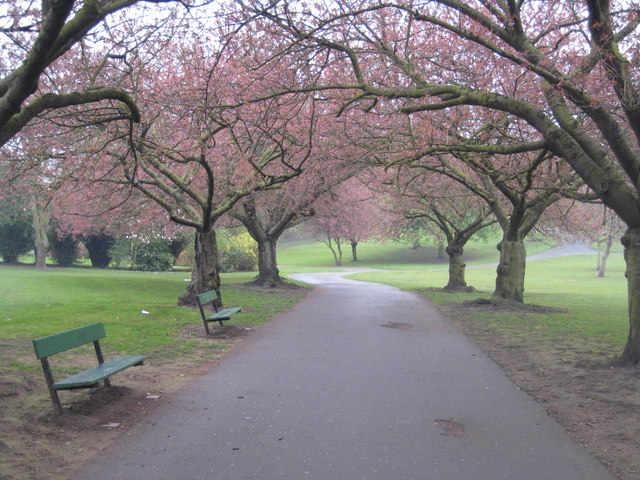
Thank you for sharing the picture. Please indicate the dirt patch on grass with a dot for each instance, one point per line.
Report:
(598, 404)
(36, 444)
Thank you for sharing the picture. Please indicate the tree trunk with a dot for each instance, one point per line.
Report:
(354, 250)
(268, 272)
(456, 269)
(266, 232)
(134, 253)
(631, 243)
(41, 217)
(510, 272)
(441, 251)
(603, 260)
(205, 275)
(337, 250)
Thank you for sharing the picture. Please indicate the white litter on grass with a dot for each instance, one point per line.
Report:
(110, 425)
(153, 397)
(144, 312)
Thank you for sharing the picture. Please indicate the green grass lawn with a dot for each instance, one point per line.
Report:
(389, 255)
(42, 302)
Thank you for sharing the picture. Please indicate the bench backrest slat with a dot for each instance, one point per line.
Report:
(61, 342)
(207, 297)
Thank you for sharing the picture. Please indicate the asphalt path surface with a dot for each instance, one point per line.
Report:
(358, 381)
(564, 250)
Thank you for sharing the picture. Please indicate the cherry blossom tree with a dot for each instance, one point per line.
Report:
(517, 186)
(349, 214)
(452, 209)
(517, 201)
(203, 146)
(268, 214)
(45, 83)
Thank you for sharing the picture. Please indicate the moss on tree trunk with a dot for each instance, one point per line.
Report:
(268, 272)
(510, 272)
(456, 269)
(631, 242)
(205, 275)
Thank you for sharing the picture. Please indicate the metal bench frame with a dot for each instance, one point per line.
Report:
(61, 342)
(219, 316)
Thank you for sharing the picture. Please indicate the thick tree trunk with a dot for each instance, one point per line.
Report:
(268, 272)
(41, 218)
(204, 274)
(266, 231)
(631, 242)
(456, 269)
(602, 264)
(42, 248)
(354, 250)
(510, 272)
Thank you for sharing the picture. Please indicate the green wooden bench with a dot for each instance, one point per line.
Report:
(218, 315)
(61, 342)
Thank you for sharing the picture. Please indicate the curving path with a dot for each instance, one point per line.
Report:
(358, 381)
(564, 250)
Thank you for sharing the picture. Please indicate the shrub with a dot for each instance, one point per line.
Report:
(15, 230)
(122, 252)
(98, 245)
(178, 245)
(64, 249)
(237, 253)
(154, 256)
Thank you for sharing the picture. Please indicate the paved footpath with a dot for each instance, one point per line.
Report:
(358, 381)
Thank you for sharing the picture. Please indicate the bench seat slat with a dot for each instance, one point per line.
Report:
(94, 375)
(224, 314)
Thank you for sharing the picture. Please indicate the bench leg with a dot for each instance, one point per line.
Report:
(52, 391)
(98, 348)
(57, 406)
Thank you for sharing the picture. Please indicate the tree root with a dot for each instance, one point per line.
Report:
(504, 304)
(468, 289)
(272, 283)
